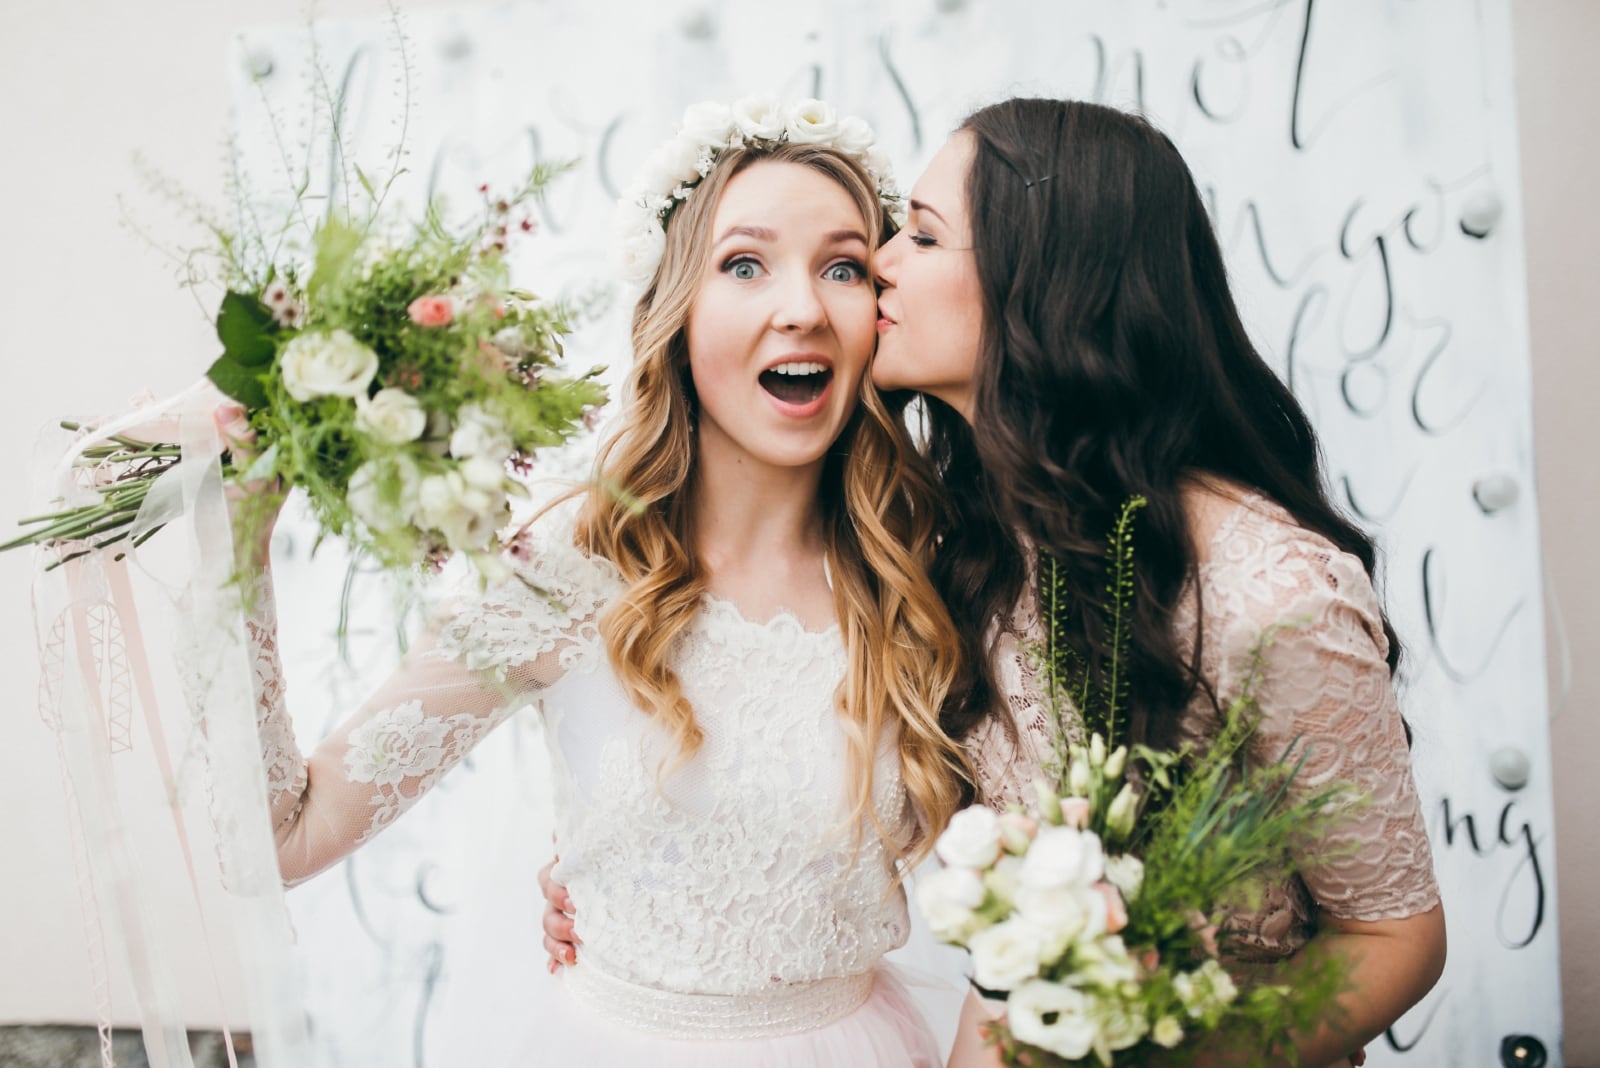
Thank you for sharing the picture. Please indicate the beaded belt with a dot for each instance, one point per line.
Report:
(785, 1010)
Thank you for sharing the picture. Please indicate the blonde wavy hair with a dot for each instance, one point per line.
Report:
(879, 504)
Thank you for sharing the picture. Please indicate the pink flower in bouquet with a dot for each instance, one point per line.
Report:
(233, 424)
(431, 311)
(1116, 908)
(1075, 812)
(1206, 930)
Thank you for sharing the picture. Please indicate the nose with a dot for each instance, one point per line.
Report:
(886, 261)
(800, 309)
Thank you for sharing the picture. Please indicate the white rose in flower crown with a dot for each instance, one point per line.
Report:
(677, 161)
(466, 515)
(812, 122)
(327, 365)
(640, 246)
(1063, 856)
(948, 899)
(854, 136)
(759, 118)
(1053, 1017)
(393, 416)
(972, 840)
(709, 122)
(478, 433)
(1006, 955)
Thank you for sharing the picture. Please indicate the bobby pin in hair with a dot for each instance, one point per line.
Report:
(1037, 181)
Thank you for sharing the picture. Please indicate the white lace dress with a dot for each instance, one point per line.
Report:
(724, 913)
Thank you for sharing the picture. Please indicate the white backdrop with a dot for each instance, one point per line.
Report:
(1340, 146)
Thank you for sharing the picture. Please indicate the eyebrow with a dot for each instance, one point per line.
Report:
(918, 205)
(763, 233)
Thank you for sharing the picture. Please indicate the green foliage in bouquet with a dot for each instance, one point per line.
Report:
(387, 368)
(1104, 923)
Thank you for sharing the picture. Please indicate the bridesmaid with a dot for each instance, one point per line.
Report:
(1059, 296)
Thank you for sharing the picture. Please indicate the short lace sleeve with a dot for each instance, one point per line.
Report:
(481, 661)
(1326, 692)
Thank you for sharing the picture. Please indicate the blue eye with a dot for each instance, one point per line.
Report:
(845, 271)
(743, 268)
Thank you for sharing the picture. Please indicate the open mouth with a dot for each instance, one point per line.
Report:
(796, 383)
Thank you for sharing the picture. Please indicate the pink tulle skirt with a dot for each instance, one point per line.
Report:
(886, 1031)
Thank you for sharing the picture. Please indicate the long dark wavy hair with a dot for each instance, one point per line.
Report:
(1112, 362)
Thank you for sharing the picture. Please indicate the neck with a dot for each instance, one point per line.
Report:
(747, 512)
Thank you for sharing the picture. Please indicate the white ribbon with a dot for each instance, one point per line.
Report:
(92, 656)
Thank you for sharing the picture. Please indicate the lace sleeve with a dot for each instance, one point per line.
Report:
(1325, 691)
(478, 664)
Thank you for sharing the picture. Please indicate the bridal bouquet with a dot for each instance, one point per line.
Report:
(393, 374)
(1100, 920)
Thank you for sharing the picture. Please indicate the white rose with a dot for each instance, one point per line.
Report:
(465, 515)
(675, 162)
(485, 473)
(1121, 1024)
(478, 433)
(383, 493)
(854, 135)
(972, 840)
(708, 123)
(1063, 856)
(640, 248)
(759, 117)
(812, 122)
(1126, 873)
(1071, 1030)
(327, 365)
(1006, 955)
(878, 163)
(392, 416)
(948, 899)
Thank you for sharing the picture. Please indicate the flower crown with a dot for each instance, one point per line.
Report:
(710, 128)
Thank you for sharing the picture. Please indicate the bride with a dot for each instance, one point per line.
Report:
(734, 650)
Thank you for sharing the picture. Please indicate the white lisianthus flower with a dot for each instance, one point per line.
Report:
(949, 899)
(1070, 1031)
(1105, 962)
(1167, 1032)
(479, 433)
(327, 365)
(1124, 811)
(1066, 915)
(1003, 879)
(392, 416)
(709, 122)
(464, 514)
(812, 122)
(1121, 1024)
(854, 136)
(1126, 873)
(383, 493)
(1063, 856)
(972, 840)
(759, 118)
(1006, 955)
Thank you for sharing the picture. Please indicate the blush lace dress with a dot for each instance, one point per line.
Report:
(725, 914)
(1326, 681)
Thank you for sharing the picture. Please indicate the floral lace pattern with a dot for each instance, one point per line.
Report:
(1325, 687)
(734, 872)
